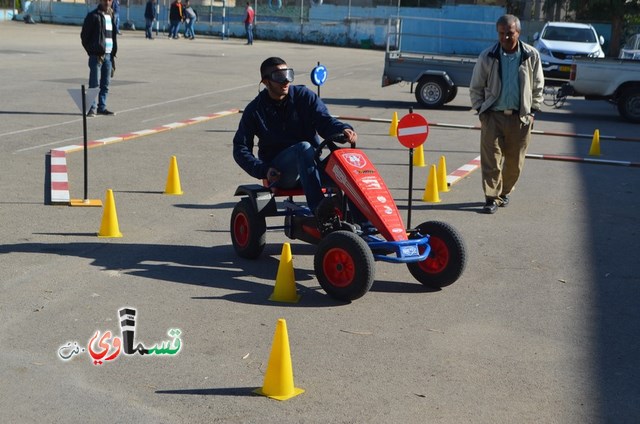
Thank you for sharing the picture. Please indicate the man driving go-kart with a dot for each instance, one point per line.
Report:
(287, 120)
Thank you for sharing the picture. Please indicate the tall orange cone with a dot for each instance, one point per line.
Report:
(109, 227)
(285, 288)
(595, 144)
(278, 380)
(431, 190)
(418, 156)
(393, 129)
(443, 187)
(173, 179)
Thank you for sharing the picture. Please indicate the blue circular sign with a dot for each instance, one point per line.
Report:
(319, 75)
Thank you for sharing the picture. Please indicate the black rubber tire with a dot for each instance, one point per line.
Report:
(447, 259)
(453, 92)
(629, 105)
(248, 230)
(344, 265)
(432, 92)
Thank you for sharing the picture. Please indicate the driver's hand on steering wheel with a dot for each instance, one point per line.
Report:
(351, 136)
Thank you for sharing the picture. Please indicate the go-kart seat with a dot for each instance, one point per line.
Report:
(283, 192)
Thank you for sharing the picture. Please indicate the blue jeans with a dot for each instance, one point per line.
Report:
(173, 29)
(189, 32)
(249, 29)
(147, 28)
(116, 22)
(102, 72)
(296, 166)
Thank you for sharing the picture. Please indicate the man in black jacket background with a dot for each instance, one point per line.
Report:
(99, 41)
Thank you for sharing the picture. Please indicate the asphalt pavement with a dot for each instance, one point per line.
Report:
(543, 326)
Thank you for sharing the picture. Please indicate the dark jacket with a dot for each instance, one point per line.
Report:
(94, 34)
(297, 118)
(175, 12)
(150, 11)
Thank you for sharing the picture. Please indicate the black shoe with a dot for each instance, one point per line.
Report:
(328, 214)
(91, 113)
(490, 207)
(504, 201)
(106, 112)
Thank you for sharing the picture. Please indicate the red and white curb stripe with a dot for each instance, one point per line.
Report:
(463, 171)
(583, 160)
(59, 189)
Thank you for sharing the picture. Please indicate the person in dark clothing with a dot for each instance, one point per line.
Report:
(176, 16)
(287, 120)
(150, 15)
(99, 40)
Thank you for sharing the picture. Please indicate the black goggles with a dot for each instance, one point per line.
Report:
(281, 76)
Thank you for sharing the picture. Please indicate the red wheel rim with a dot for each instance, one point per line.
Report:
(338, 267)
(241, 230)
(438, 258)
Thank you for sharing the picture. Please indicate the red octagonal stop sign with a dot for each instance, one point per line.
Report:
(413, 130)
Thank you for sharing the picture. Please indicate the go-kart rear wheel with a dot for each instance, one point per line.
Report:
(248, 230)
(447, 259)
(344, 265)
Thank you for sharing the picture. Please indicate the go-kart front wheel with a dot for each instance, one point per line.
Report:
(344, 265)
(447, 259)
(248, 230)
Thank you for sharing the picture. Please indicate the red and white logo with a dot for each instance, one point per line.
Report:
(355, 159)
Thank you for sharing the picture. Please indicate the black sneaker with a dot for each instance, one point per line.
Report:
(490, 206)
(106, 112)
(504, 201)
(91, 113)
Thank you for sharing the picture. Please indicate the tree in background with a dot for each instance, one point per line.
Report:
(618, 12)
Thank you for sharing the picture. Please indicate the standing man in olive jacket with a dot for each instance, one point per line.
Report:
(506, 91)
(99, 40)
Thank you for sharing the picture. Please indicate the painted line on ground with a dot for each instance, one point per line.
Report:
(59, 190)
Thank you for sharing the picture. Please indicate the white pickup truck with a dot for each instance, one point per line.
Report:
(614, 80)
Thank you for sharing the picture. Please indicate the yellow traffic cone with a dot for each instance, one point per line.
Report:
(443, 187)
(595, 144)
(109, 227)
(173, 179)
(431, 190)
(285, 288)
(418, 156)
(393, 129)
(278, 380)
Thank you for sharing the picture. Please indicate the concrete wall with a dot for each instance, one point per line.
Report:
(327, 24)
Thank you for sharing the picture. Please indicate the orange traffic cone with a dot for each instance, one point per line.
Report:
(109, 227)
(431, 190)
(173, 179)
(278, 380)
(443, 187)
(285, 288)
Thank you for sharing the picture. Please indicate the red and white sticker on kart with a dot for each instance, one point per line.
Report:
(359, 179)
(355, 159)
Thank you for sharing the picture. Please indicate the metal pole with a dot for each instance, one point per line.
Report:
(157, 17)
(410, 182)
(84, 133)
(410, 187)
(224, 18)
(301, 20)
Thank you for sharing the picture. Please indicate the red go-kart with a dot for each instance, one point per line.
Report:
(344, 261)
